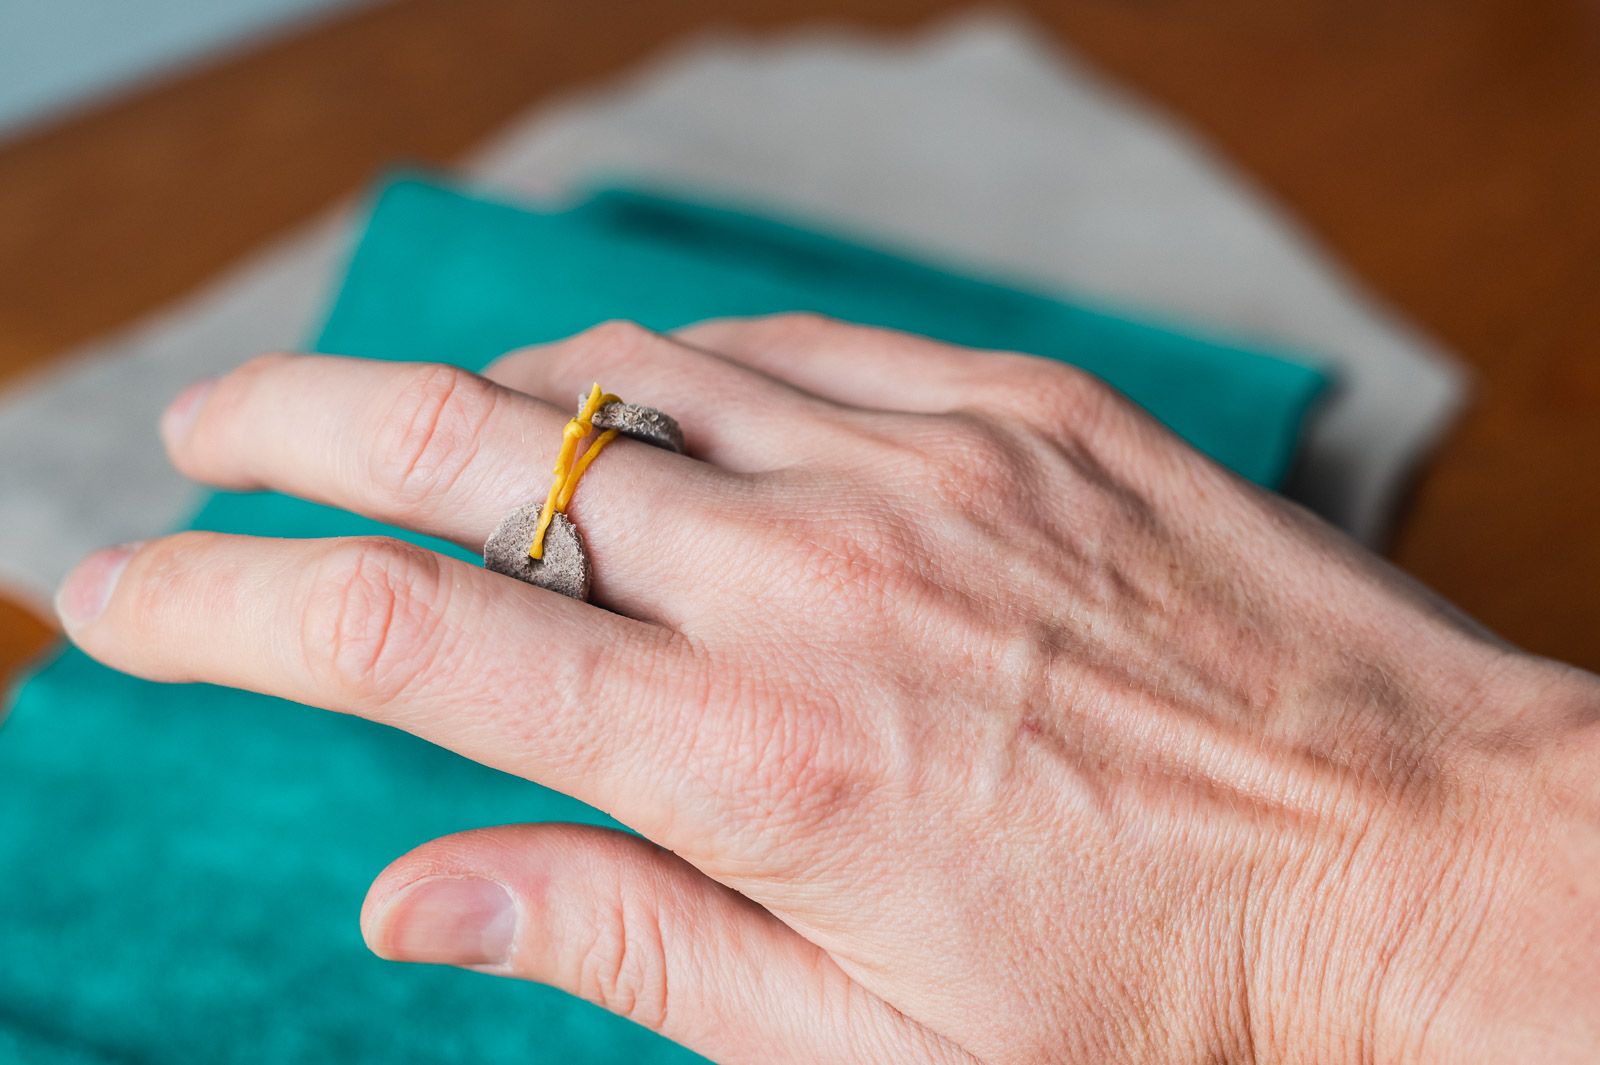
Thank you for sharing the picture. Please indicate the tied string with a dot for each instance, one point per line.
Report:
(569, 467)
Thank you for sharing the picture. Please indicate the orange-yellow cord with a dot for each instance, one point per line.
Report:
(567, 471)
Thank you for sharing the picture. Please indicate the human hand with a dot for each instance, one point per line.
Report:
(966, 713)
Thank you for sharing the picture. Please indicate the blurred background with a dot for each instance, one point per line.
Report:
(1226, 206)
(1446, 153)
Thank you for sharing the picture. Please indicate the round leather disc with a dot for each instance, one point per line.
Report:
(565, 565)
(641, 423)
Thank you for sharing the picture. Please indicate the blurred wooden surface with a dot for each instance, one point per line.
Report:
(1447, 150)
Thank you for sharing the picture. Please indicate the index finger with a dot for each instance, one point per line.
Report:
(527, 681)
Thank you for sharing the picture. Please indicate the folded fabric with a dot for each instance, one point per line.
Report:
(186, 863)
(445, 275)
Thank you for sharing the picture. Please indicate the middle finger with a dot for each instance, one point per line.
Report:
(445, 452)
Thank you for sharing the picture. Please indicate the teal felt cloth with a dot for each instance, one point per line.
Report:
(181, 867)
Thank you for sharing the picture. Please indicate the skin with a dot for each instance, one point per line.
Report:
(966, 714)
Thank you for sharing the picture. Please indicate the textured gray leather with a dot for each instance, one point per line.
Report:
(565, 565)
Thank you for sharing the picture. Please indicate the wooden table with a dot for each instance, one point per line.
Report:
(1448, 150)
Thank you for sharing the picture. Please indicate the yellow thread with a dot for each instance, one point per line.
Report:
(583, 464)
(567, 472)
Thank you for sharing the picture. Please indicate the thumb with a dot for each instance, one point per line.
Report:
(618, 921)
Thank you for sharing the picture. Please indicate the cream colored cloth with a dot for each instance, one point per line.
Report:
(974, 143)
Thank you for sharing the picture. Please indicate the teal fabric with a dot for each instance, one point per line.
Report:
(444, 276)
(181, 867)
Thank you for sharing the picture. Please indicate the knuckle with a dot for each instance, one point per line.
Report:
(786, 762)
(428, 431)
(371, 627)
(594, 353)
(854, 560)
(623, 967)
(609, 343)
(973, 462)
(781, 764)
(859, 563)
(1052, 397)
(800, 325)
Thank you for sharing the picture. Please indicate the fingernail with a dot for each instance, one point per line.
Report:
(448, 921)
(86, 591)
(180, 413)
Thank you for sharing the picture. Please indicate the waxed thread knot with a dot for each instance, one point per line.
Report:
(570, 467)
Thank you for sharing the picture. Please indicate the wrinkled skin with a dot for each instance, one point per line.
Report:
(967, 714)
